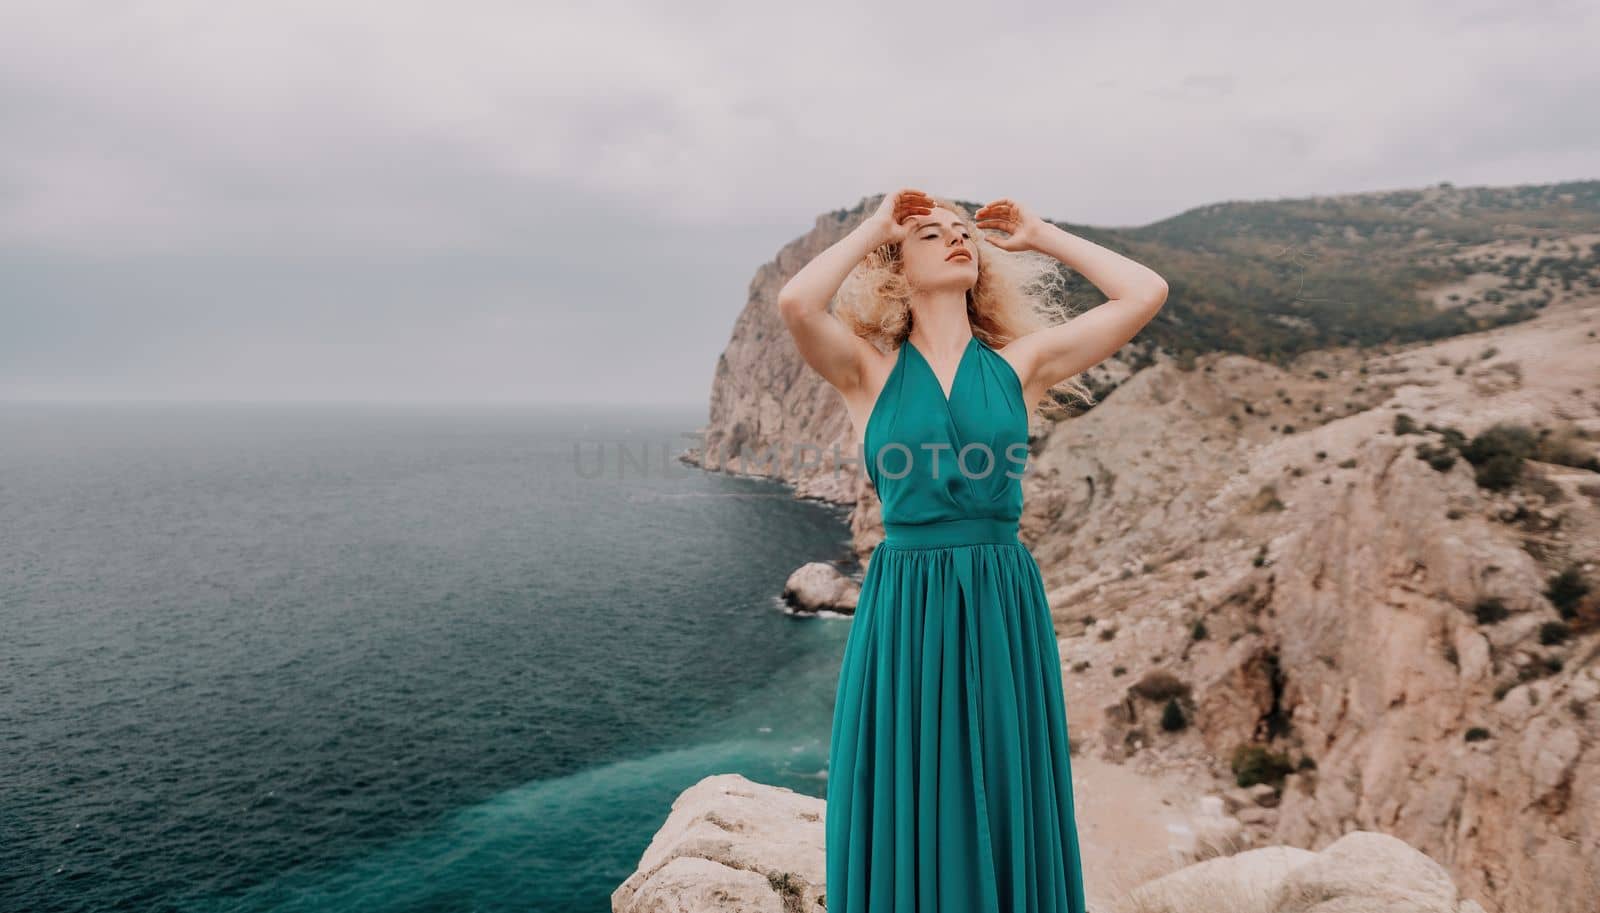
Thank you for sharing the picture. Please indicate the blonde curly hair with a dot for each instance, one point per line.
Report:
(1015, 294)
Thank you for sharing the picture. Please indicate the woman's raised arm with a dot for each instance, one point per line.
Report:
(826, 344)
(1136, 292)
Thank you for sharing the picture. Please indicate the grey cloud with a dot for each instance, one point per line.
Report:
(400, 201)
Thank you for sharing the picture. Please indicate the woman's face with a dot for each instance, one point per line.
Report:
(940, 252)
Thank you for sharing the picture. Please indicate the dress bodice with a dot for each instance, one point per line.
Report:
(934, 459)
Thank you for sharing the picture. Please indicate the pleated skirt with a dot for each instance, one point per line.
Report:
(949, 778)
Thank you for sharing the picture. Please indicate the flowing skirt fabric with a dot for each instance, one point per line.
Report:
(949, 777)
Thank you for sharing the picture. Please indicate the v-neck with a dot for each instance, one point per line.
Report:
(960, 363)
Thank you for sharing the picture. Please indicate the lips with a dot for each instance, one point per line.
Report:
(958, 253)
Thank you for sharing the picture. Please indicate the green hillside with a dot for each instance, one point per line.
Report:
(1274, 278)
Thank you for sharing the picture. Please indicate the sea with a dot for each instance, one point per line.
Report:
(376, 657)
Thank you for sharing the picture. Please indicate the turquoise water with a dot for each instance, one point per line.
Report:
(382, 658)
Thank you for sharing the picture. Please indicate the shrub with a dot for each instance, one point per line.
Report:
(1159, 685)
(1566, 590)
(1499, 472)
(1254, 764)
(1489, 610)
(1554, 632)
(1172, 718)
(1440, 458)
(1498, 453)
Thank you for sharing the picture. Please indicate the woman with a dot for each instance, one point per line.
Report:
(949, 779)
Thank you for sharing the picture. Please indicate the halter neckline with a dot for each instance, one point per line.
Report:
(961, 362)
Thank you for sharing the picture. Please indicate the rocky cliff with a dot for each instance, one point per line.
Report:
(1329, 591)
(734, 845)
(1366, 579)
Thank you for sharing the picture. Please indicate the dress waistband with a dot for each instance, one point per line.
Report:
(943, 533)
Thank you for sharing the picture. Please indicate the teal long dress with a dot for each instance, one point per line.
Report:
(949, 780)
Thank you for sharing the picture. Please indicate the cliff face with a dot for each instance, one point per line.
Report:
(734, 845)
(766, 401)
(1330, 572)
(1350, 594)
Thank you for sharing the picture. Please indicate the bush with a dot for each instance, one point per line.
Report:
(1159, 685)
(1498, 454)
(1440, 458)
(1489, 610)
(1566, 590)
(1452, 437)
(1554, 632)
(1172, 718)
(1499, 472)
(1254, 764)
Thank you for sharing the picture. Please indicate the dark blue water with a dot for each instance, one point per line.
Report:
(382, 658)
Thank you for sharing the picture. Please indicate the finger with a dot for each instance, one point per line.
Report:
(913, 196)
(904, 212)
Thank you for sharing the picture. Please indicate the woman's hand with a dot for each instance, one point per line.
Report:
(1007, 215)
(890, 225)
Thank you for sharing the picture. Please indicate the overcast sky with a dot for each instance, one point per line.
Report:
(509, 201)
